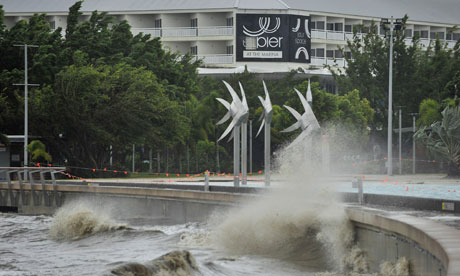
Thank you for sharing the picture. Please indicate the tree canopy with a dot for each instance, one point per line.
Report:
(101, 87)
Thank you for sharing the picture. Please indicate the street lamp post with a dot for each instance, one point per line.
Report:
(26, 106)
(392, 25)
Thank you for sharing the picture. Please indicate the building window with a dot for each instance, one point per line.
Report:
(53, 25)
(194, 22)
(338, 27)
(313, 25)
(349, 28)
(407, 33)
(424, 34)
(157, 23)
(229, 21)
(230, 50)
(320, 52)
(449, 36)
(330, 53)
(338, 54)
(440, 35)
(330, 26)
(194, 50)
(417, 34)
(320, 25)
(348, 55)
(251, 43)
(456, 36)
(432, 35)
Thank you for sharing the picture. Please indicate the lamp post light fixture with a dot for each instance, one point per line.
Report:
(392, 25)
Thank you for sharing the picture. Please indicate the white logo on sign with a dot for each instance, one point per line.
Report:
(297, 27)
(264, 24)
(306, 29)
(301, 50)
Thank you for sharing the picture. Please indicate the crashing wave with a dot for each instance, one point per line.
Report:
(175, 263)
(80, 219)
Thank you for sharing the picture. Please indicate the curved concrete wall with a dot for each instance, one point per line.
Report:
(432, 248)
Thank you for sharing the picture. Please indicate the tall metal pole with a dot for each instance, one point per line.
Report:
(244, 152)
(413, 142)
(26, 110)
(158, 162)
(267, 151)
(217, 157)
(250, 146)
(26, 104)
(111, 159)
(236, 156)
(400, 141)
(150, 160)
(390, 104)
(134, 151)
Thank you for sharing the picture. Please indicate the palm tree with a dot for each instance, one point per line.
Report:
(442, 138)
(38, 150)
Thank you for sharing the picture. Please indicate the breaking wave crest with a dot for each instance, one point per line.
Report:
(175, 263)
(79, 219)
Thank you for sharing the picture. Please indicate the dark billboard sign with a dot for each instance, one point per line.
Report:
(273, 38)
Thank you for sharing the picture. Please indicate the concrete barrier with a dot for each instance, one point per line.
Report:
(432, 248)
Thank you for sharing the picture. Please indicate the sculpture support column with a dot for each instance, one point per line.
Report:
(236, 156)
(267, 146)
(244, 152)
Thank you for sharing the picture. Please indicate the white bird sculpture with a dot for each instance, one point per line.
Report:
(268, 109)
(238, 110)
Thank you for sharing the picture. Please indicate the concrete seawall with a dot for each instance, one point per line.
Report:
(432, 248)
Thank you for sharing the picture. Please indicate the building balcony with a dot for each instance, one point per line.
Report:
(322, 61)
(331, 35)
(215, 31)
(185, 31)
(425, 42)
(451, 43)
(154, 32)
(215, 59)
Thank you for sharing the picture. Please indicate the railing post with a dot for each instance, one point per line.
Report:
(56, 196)
(45, 195)
(206, 181)
(10, 189)
(21, 188)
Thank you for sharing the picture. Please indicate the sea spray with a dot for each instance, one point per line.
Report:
(81, 218)
(290, 225)
(400, 268)
(300, 220)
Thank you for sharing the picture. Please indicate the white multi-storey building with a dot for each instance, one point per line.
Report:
(266, 36)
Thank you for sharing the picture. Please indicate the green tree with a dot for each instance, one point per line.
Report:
(442, 138)
(38, 151)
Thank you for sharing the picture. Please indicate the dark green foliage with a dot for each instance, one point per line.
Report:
(442, 138)
(418, 73)
(100, 86)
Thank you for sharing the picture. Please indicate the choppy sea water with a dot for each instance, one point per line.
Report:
(263, 238)
(27, 248)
